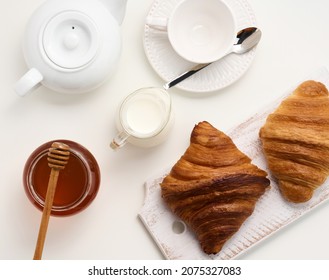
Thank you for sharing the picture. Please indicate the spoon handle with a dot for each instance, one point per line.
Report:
(185, 75)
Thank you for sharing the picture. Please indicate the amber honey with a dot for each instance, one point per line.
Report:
(77, 185)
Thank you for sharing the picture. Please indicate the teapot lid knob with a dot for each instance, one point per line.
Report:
(70, 40)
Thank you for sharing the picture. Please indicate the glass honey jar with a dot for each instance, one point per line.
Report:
(77, 185)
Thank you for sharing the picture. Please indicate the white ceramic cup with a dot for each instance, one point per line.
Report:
(199, 31)
(144, 118)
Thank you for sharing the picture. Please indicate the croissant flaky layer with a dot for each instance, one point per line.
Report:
(213, 187)
(295, 140)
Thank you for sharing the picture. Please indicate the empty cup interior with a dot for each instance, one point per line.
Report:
(202, 31)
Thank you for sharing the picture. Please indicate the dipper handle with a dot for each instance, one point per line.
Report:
(58, 157)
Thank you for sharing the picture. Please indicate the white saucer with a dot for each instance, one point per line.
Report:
(168, 64)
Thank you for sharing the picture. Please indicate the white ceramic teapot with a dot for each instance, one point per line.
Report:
(72, 46)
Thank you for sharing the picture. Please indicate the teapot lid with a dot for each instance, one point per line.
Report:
(70, 40)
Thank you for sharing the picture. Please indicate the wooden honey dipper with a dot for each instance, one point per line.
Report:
(58, 157)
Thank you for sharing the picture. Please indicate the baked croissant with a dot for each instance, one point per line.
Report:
(213, 187)
(295, 140)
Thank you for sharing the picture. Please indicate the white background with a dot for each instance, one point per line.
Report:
(295, 43)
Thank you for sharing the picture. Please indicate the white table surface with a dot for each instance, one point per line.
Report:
(295, 43)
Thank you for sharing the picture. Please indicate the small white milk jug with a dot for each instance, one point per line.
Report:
(72, 46)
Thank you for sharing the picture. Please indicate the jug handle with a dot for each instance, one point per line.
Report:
(30, 81)
(119, 141)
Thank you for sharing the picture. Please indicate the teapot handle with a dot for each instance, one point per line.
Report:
(117, 8)
(30, 81)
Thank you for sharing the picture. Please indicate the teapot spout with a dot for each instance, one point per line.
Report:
(117, 8)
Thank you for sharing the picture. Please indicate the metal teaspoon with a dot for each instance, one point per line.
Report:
(246, 39)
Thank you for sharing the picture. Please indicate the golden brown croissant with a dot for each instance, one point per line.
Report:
(295, 140)
(213, 187)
